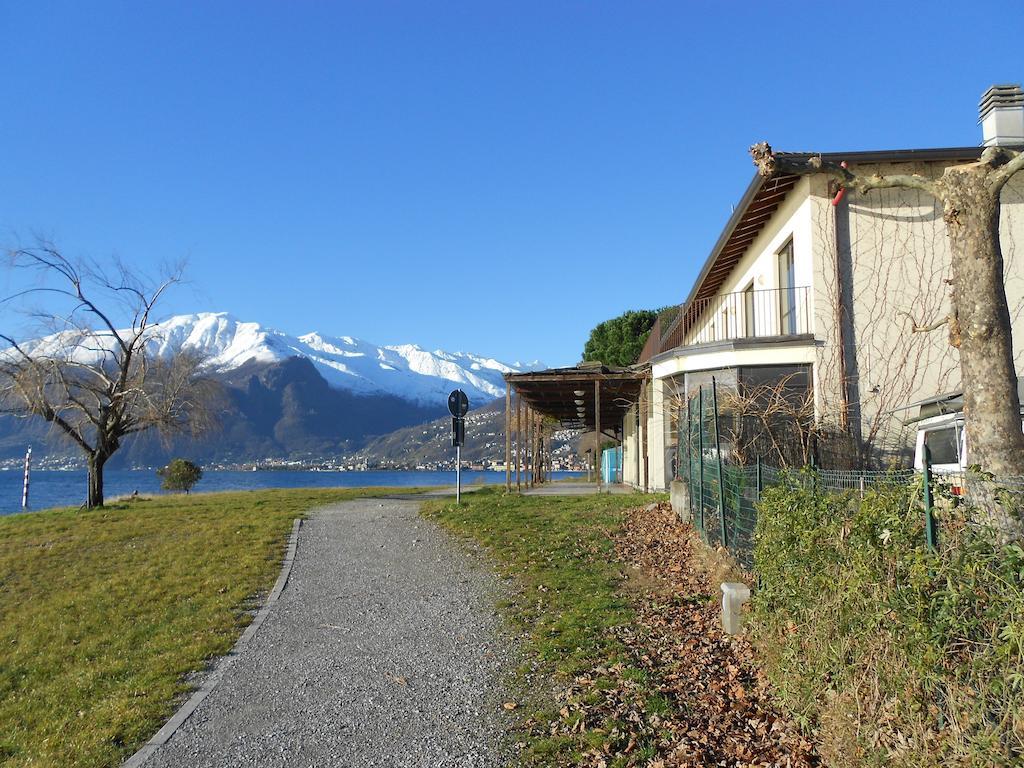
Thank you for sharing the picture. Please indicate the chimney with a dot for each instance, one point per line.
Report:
(1002, 116)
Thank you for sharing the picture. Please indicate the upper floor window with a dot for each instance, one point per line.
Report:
(787, 289)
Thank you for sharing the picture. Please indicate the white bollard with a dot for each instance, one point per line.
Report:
(734, 595)
(28, 469)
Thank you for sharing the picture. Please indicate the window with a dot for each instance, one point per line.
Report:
(943, 445)
(787, 290)
(749, 328)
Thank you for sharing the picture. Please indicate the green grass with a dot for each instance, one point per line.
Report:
(570, 593)
(104, 613)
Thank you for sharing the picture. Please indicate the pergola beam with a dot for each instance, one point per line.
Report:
(588, 398)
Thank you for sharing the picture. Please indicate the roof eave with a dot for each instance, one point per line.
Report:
(737, 215)
(862, 157)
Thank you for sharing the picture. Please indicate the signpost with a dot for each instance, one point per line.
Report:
(458, 406)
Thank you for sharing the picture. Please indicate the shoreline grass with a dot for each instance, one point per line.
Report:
(105, 613)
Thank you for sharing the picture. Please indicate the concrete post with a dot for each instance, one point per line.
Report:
(734, 595)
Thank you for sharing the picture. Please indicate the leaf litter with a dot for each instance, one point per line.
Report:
(711, 706)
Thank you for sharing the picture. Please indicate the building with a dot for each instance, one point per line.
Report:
(824, 290)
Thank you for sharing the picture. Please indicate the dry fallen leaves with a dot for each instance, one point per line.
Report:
(719, 712)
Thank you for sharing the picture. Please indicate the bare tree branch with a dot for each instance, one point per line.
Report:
(769, 164)
(915, 327)
(1006, 162)
(99, 386)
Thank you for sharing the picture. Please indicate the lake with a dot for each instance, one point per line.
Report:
(63, 488)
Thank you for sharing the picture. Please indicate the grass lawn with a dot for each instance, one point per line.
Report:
(104, 613)
(571, 597)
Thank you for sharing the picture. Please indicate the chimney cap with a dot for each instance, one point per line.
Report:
(1005, 96)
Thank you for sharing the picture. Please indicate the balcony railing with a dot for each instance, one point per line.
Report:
(748, 314)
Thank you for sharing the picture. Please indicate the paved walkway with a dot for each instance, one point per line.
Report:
(383, 650)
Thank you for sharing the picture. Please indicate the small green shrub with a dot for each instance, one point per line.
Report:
(180, 475)
(893, 654)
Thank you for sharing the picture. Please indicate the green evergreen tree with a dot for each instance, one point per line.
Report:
(180, 475)
(619, 341)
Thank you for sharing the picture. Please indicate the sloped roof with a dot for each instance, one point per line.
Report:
(552, 392)
(759, 203)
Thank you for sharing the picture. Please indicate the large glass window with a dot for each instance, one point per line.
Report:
(944, 445)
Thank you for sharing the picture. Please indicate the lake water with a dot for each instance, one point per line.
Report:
(58, 488)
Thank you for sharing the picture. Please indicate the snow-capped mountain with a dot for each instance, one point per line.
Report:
(406, 371)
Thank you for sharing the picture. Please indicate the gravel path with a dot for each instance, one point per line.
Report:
(384, 650)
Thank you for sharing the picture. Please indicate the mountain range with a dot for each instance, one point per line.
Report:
(307, 397)
(429, 445)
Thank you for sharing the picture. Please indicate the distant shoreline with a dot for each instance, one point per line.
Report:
(57, 488)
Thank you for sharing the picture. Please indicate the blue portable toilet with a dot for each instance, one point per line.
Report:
(611, 465)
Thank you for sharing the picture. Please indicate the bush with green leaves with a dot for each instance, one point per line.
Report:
(180, 475)
(893, 654)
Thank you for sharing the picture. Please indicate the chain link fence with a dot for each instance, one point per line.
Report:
(723, 494)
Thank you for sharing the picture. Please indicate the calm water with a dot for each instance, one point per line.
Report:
(52, 488)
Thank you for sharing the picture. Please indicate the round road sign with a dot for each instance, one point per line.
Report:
(458, 403)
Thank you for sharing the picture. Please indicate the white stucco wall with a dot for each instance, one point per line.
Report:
(899, 264)
(760, 267)
(707, 360)
(630, 448)
(656, 436)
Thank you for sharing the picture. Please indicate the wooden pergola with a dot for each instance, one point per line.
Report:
(588, 397)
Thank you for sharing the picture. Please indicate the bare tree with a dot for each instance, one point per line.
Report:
(979, 324)
(95, 383)
(773, 420)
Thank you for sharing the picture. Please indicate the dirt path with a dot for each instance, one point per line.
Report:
(384, 649)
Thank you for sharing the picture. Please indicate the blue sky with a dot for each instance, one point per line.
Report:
(491, 177)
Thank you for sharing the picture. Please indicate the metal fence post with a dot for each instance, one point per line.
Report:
(700, 456)
(718, 450)
(689, 457)
(758, 479)
(929, 507)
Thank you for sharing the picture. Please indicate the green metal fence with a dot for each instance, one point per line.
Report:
(723, 495)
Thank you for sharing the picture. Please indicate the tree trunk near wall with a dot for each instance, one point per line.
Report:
(980, 325)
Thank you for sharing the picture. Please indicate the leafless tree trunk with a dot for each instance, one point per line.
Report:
(979, 325)
(94, 382)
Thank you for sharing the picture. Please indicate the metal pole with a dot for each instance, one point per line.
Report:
(758, 479)
(597, 429)
(929, 516)
(718, 450)
(508, 436)
(636, 440)
(700, 456)
(458, 474)
(539, 468)
(689, 456)
(643, 436)
(519, 440)
(538, 449)
(528, 467)
(24, 492)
